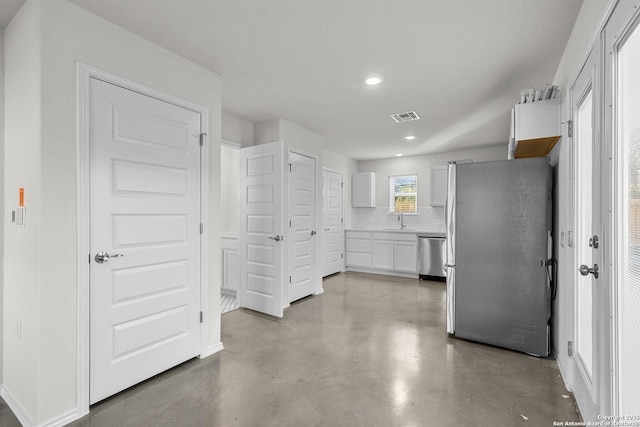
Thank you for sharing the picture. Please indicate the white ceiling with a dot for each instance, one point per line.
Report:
(459, 64)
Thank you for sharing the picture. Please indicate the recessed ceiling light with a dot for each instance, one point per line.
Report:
(373, 80)
(398, 154)
(410, 137)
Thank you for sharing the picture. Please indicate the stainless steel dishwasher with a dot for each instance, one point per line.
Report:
(431, 256)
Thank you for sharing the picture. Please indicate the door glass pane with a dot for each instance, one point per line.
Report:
(584, 189)
(628, 224)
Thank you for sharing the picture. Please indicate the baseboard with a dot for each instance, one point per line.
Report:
(320, 292)
(384, 272)
(26, 420)
(563, 374)
(16, 407)
(212, 349)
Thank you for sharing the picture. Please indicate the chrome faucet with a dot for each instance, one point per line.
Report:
(401, 219)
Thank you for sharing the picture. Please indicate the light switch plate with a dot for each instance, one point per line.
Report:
(19, 218)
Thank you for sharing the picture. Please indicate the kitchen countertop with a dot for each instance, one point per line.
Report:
(419, 232)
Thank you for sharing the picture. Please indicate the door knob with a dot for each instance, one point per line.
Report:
(277, 238)
(585, 270)
(102, 257)
(313, 232)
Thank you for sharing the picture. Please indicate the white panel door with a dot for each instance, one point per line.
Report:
(302, 226)
(260, 239)
(587, 143)
(333, 231)
(145, 213)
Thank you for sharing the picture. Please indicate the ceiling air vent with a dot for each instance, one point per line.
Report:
(409, 116)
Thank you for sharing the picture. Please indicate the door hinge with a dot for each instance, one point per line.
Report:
(89, 258)
(201, 228)
(202, 135)
(341, 220)
(289, 279)
(201, 317)
(289, 223)
(569, 348)
(342, 256)
(290, 165)
(342, 185)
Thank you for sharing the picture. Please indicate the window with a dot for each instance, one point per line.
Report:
(403, 193)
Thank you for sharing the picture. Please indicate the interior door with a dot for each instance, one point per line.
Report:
(145, 237)
(623, 124)
(302, 226)
(333, 224)
(261, 239)
(587, 149)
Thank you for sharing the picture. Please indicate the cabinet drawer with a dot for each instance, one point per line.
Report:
(359, 245)
(358, 259)
(358, 234)
(405, 237)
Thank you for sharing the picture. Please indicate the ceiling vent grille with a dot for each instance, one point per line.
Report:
(409, 116)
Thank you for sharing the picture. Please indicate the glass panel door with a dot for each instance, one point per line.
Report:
(584, 229)
(628, 224)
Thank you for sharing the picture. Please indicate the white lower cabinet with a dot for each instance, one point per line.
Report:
(405, 255)
(230, 264)
(385, 251)
(359, 249)
(383, 254)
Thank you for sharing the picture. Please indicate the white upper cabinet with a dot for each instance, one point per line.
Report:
(438, 186)
(536, 128)
(363, 190)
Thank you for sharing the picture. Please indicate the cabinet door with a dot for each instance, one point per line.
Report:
(230, 269)
(383, 254)
(438, 186)
(363, 190)
(406, 257)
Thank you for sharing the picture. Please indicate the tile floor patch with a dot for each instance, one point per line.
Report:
(228, 303)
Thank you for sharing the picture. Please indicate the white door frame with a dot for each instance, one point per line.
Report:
(344, 259)
(84, 74)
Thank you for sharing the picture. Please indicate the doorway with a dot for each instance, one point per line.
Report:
(302, 226)
(142, 299)
(333, 222)
(586, 104)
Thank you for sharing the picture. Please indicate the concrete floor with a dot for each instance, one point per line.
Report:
(371, 351)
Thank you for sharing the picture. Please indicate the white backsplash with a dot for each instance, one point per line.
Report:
(427, 218)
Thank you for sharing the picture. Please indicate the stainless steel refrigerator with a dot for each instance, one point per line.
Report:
(499, 219)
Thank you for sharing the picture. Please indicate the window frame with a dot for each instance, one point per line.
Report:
(392, 194)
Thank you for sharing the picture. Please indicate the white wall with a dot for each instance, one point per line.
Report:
(1, 195)
(229, 161)
(236, 129)
(43, 45)
(22, 274)
(428, 218)
(575, 53)
(266, 131)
